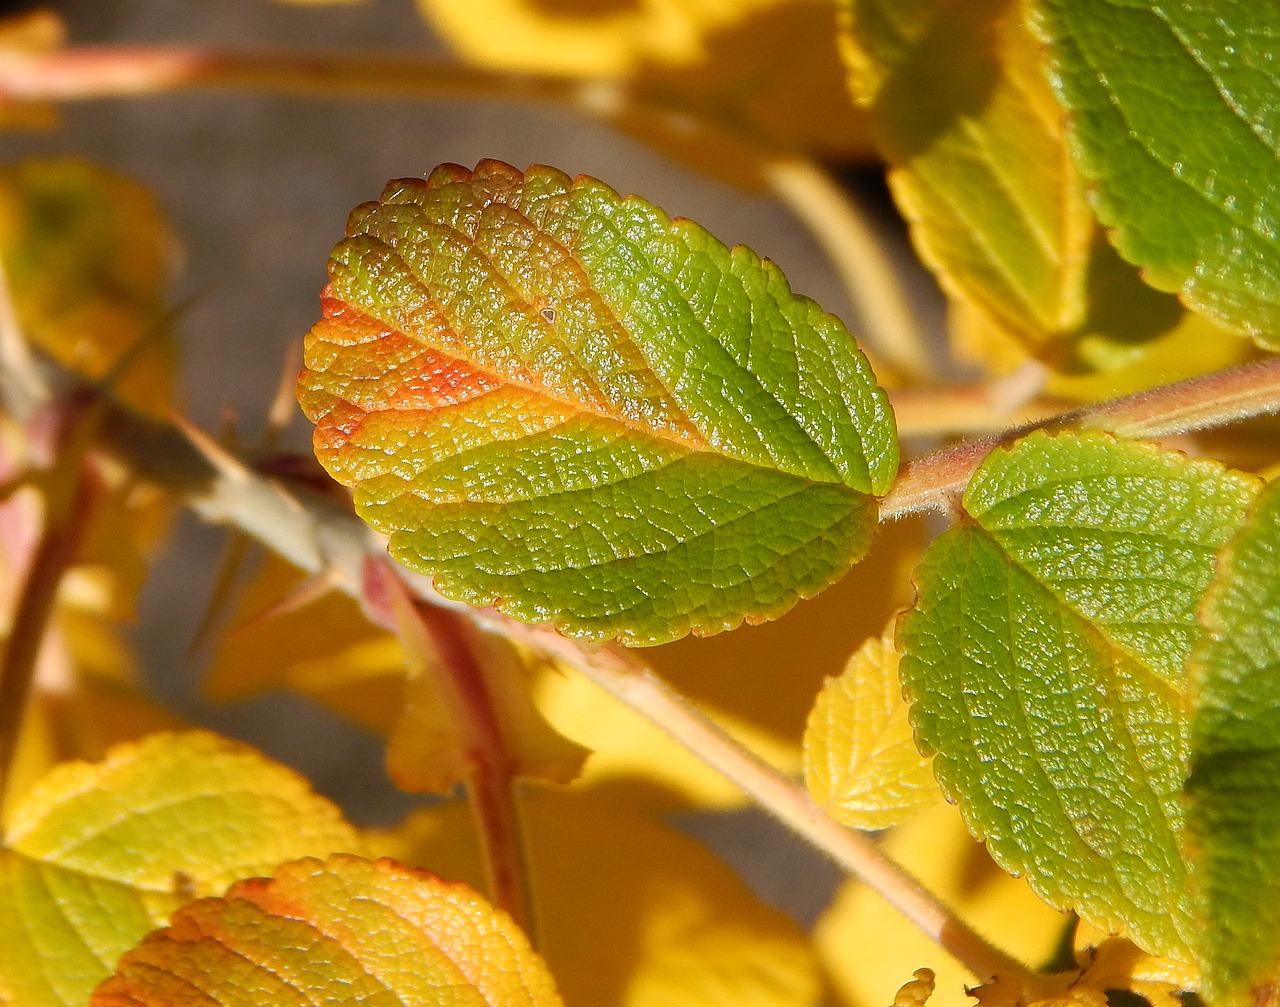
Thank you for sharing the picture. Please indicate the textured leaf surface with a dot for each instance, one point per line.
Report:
(341, 931)
(860, 758)
(1175, 120)
(1234, 817)
(97, 855)
(563, 403)
(1044, 661)
(631, 913)
(978, 155)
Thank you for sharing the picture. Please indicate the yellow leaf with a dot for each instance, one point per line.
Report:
(346, 930)
(325, 649)
(860, 759)
(1115, 963)
(580, 37)
(937, 849)
(979, 162)
(719, 84)
(88, 256)
(97, 854)
(630, 913)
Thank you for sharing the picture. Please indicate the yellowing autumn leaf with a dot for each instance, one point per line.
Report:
(936, 848)
(608, 40)
(860, 759)
(97, 854)
(345, 930)
(630, 912)
(87, 256)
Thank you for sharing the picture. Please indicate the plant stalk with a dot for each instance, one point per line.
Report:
(643, 691)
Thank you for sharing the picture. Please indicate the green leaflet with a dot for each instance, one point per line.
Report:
(563, 403)
(1175, 118)
(1044, 660)
(1233, 821)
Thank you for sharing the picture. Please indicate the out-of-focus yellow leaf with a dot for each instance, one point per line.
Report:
(937, 849)
(87, 256)
(454, 666)
(325, 649)
(97, 854)
(713, 83)
(630, 912)
(860, 759)
(584, 38)
(346, 930)
(979, 163)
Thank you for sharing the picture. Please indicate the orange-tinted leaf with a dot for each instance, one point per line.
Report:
(95, 855)
(630, 912)
(341, 931)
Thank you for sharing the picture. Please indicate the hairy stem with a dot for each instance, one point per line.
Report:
(67, 499)
(641, 689)
(933, 481)
(491, 782)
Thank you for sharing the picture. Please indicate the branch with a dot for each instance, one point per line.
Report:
(933, 481)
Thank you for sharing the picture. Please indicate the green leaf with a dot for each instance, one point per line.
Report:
(978, 156)
(1175, 119)
(1233, 820)
(96, 855)
(1044, 661)
(567, 405)
(342, 931)
(860, 760)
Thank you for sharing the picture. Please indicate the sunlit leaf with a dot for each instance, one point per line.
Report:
(1234, 818)
(564, 404)
(1044, 660)
(979, 163)
(1112, 963)
(341, 931)
(860, 759)
(1175, 122)
(98, 854)
(630, 912)
(937, 849)
(87, 256)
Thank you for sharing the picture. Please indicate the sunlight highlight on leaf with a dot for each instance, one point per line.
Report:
(98, 854)
(1233, 822)
(860, 759)
(1044, 660)
(345, 930)
(565, 404)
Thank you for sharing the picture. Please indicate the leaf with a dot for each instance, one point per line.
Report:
(341, 931)
(96, 855)
(88, 256)
(860, 759)
(1233, 820)
(978, 157)
(630, 912)
(935, 847)
(1174, 121)
(566, 405)
(1044, 661)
